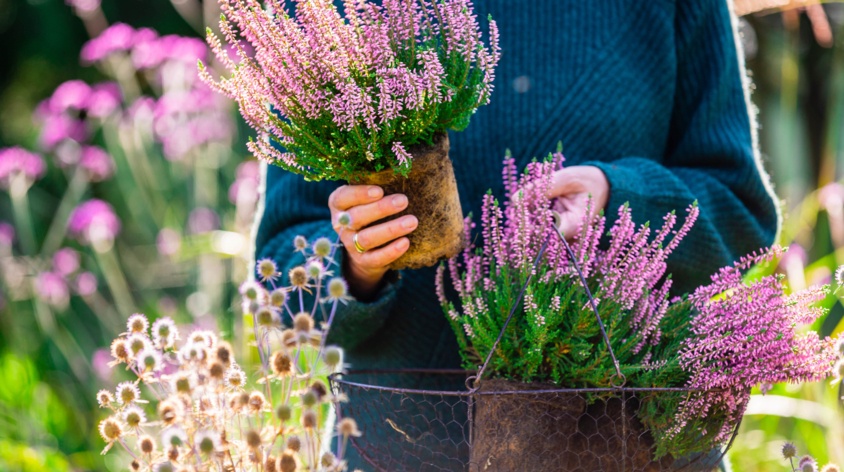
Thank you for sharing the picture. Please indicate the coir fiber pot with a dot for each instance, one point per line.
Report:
(432, 197)
(555, 429)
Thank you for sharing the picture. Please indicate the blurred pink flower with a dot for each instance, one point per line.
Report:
(59, 127)
(183, 48)
(65, 261)
(244, 189)
(19, 161)
(86, 284)
(97, 163)
(73, 94)
(93, 221)
(100, 361)
(831, 196)
(7, 234)
(203, 220)
(117, 37)
(168, 241)
(104, 99)
(52, 288)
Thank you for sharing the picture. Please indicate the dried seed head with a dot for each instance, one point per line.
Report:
(120, 350)
(127, 393)
(173, 437)
(294, 443)
(309, 399)
(135, 465)
(267, 269)
(243, 399)
(146, 444)
(134, 417)
(322, 247)
(149, 360)
(250, 290)
(319, 389)
(333, 356)
(253, 439)
(192, 352)
(183, 383)
(281, 364)
(328, 460)
(164, 467)
(204, 338)
(300, 243)
(168, 412)
(265, 317)
(278, 297)
(235, 378)
(283, 412)
(216, 371)
(287, 462)
(271, 464)
(137, 323)
(831, 468)
(288, 337)
(344, 219)
(298, 277)
(338, 289)
(111, 429)
(164, 333)
(208, 441)
(303, 322)
(137, 343)
(309, 419)
(173, 454)
(104, 398)
(348, 427)
(223, 353)
(256, 401)
(315, 270)
(789, 450)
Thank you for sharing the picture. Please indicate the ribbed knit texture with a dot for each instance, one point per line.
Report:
(651, 92)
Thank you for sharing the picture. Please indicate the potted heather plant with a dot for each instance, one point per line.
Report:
(366, 98)
(686, 364)
(206, 412)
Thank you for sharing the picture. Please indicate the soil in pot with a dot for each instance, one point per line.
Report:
(557, 431)
(432, 196)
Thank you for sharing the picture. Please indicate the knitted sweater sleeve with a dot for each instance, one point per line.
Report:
(712, 155)
(295, 207)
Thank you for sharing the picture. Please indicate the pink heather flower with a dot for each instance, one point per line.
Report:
(104, 99)
(118, 37)
(71, 95)
(401, 155)
(52, 288)
(86, 284)
(7, 234)
(244, 189)
(16, 161)
(168, 241)
(97, 163)
(58, 127)
(65, 261)
(92, 221)
(203, 220)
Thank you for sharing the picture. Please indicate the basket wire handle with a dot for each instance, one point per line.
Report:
(473, 382)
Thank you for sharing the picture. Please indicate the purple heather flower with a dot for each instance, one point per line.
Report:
(52, 288)
(105, 97)
(65, 261)
(203, 220)
(244, 190)
(58, 127)
(71, 95)
(97, 163)
(116, 38)
(16, 161)
(7, 234)
(86, 284)
(93, 221)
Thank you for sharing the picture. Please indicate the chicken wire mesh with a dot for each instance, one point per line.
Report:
(426, 420)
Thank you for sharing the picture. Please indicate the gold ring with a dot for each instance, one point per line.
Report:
(358, 247)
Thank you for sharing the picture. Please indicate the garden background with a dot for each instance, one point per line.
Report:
(168, 158)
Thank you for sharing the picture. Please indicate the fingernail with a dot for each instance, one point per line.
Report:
(408, 223)
(399, 201)
(374, 192)
(403, 244)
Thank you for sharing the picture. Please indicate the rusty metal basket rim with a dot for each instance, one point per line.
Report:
(337, 378)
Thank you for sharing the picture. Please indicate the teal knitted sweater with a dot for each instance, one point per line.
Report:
(651, 92)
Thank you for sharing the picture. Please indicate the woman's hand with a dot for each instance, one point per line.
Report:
(572, 187)
(382, 243)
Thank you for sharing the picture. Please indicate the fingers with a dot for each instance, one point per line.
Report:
(348, 196)
(383, 233)
(364, 215)
(375, 261)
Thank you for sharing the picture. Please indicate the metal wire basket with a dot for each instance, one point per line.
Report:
(453, 420)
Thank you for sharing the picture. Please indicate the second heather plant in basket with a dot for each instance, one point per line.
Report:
(366, 98)
(686, 364)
